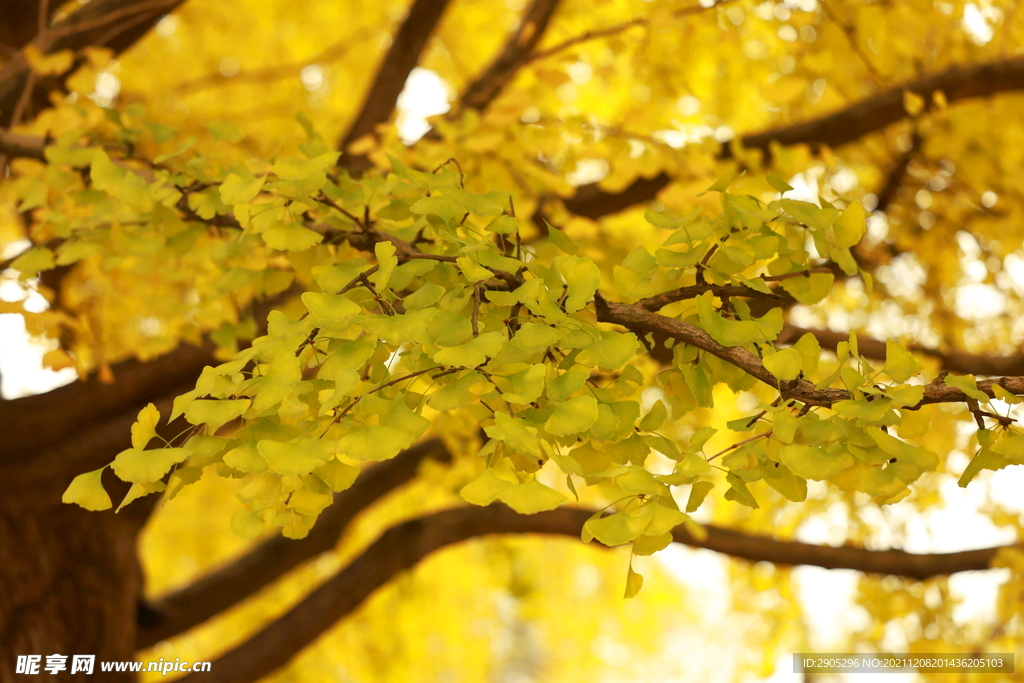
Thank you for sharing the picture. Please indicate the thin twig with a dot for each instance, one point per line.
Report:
(741, 443)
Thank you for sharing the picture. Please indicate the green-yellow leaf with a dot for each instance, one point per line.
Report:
(634, 582)
(142, 467)
(899, 363)
(473, 271)
(386, 262)
(698, 492)
(300, 169)
(215, 414)
(572, 416)
(281, 378)
(849, 227)
(582, 277)
(291, 237)
(238, 190)
(144, 428)
(784, 364)
(300, 457)
(968, 385)
(485, 489)
(531, 497)
(332, 308)
(813, 463)
(473, 353)
(86, 490)
(610, 353)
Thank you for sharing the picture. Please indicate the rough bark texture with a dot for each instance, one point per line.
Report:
(70, 580)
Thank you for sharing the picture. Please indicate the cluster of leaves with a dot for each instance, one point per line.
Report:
(454, 313)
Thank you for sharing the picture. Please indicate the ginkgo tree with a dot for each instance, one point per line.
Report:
(598, 316)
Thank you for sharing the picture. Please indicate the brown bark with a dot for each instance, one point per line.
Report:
(70, 579)
(402, 58)
(245, 576)
(116, 24)
(514, 55)
(960, 362)
(959, 82)
(34, 424)
(403, 546)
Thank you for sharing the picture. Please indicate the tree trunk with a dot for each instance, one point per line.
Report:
(69, 580)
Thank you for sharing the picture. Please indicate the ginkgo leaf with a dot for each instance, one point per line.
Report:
(634, 582)
(527, 385)
(473, 353)
(337, 475)
(566, 384)
(138, 491)
(531, 497)
(516, 432)
(333, 308)
(246, 458)
(900, 364)
(968, 385)
(698, 492)
(298, 457)
(572, 416)
(811, 462)
(144, 428)
(582, 278)
(784, 364)
(474, 272)
(485, 489)
(654, 418)
(278, 382)
(291, 237)
(142, 467)
(215, 414)
(534, 337)
(611, 352)
(616, 529)
(386, 262)
(299, 169)
(86, 490)
(238, 190)
(849, 227)
(778, 183)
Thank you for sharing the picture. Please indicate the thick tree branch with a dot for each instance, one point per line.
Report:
(36, 423)
(518, 49)
(954, 361)
(229, 585)
(642, 321)
(55, 420)
(960, 82)
(403, 546)
(21, 146)
(116, 24)
(404, 55)
(894, 179)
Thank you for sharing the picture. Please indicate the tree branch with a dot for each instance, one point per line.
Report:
(960, 82)
(21, 146)
(404, 55)
(239, 579)
(516, 53)
(638, 319)
(403, 546)
(954, 361)
(116, 24)
(54, 420)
